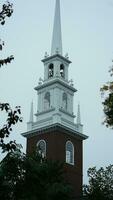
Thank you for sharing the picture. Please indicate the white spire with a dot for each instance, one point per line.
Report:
(78, 115)
(31, 113)
(57, 35)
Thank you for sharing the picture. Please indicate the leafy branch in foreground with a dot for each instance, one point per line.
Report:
(6, 10)
(107, 92)
(13, 117)
(100, 185)
(6, 60)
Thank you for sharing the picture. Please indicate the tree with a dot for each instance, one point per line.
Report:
(6, 11)
(107, 91)
(100, 184)
(13, 116)
(11, 174)
(32, 178)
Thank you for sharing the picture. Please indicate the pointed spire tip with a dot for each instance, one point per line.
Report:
(57, 35)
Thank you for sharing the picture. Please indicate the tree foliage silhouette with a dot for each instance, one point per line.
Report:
(31, 177)
(13, 116)
(6, 11)
(100, 185)
(107, 93)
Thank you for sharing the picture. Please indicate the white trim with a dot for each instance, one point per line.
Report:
(56, 126)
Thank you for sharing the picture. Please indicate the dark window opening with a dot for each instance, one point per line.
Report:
(62, 71)
(51, 71)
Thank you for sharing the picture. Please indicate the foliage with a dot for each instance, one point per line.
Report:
(12, 118)
(6, 11)
(100, 184)
(107, 91)
(31, 178)
(11, 174)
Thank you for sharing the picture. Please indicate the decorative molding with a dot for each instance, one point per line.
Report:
(58, 81)
(58, 56)
(45, 111)
(66, 112)
(55, 127)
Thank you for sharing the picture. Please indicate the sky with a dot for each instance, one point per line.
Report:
(87, 34)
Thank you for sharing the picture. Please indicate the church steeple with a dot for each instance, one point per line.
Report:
(57, 35)
(54, 131)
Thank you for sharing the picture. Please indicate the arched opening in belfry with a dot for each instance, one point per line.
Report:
(50, 70)
(47, 101)
(62, 71)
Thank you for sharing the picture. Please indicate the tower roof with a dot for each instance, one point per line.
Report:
(57, 35)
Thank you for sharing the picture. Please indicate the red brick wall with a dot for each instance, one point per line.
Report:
(55, 150)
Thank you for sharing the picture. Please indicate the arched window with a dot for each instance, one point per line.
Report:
(62, 71)
(41, 148)
(47, 101)
(64, 100)
(50, 70)
(69, 153)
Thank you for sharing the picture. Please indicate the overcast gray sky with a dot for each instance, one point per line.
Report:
(87, 32)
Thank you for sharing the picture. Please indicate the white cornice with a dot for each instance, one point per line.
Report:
(53, 81)
(52, 128)
(45, 111)
(56, 56)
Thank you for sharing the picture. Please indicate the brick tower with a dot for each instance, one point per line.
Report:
(54, 130)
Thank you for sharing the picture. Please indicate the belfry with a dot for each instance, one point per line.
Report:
(54, 129)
